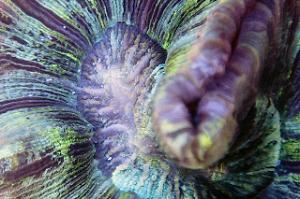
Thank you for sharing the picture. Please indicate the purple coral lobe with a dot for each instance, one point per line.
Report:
(225, 84)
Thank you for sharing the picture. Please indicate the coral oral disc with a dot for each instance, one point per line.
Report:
(118, 76)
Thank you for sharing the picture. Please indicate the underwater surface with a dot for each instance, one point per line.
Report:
(150, 99)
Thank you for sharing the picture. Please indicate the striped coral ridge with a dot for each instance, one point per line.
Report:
(287, 180)
(45, 151)
(42, 44)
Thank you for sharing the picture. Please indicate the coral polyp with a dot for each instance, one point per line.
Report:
(149, 99)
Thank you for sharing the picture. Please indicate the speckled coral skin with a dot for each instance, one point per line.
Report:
(149, 99)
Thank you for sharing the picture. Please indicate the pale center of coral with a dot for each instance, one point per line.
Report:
(118, 80)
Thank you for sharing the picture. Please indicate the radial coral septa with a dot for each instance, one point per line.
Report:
(43, 52)
(47, 17)
(46, 149)
(287, 175)
(115, 91)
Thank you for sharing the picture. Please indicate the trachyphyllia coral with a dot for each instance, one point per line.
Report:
(149, 99)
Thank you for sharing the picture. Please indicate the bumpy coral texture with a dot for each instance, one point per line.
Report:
(149, 99)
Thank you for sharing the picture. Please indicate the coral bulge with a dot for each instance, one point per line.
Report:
(218, 82)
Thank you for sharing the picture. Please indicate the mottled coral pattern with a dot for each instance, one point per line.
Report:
(149, 99)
